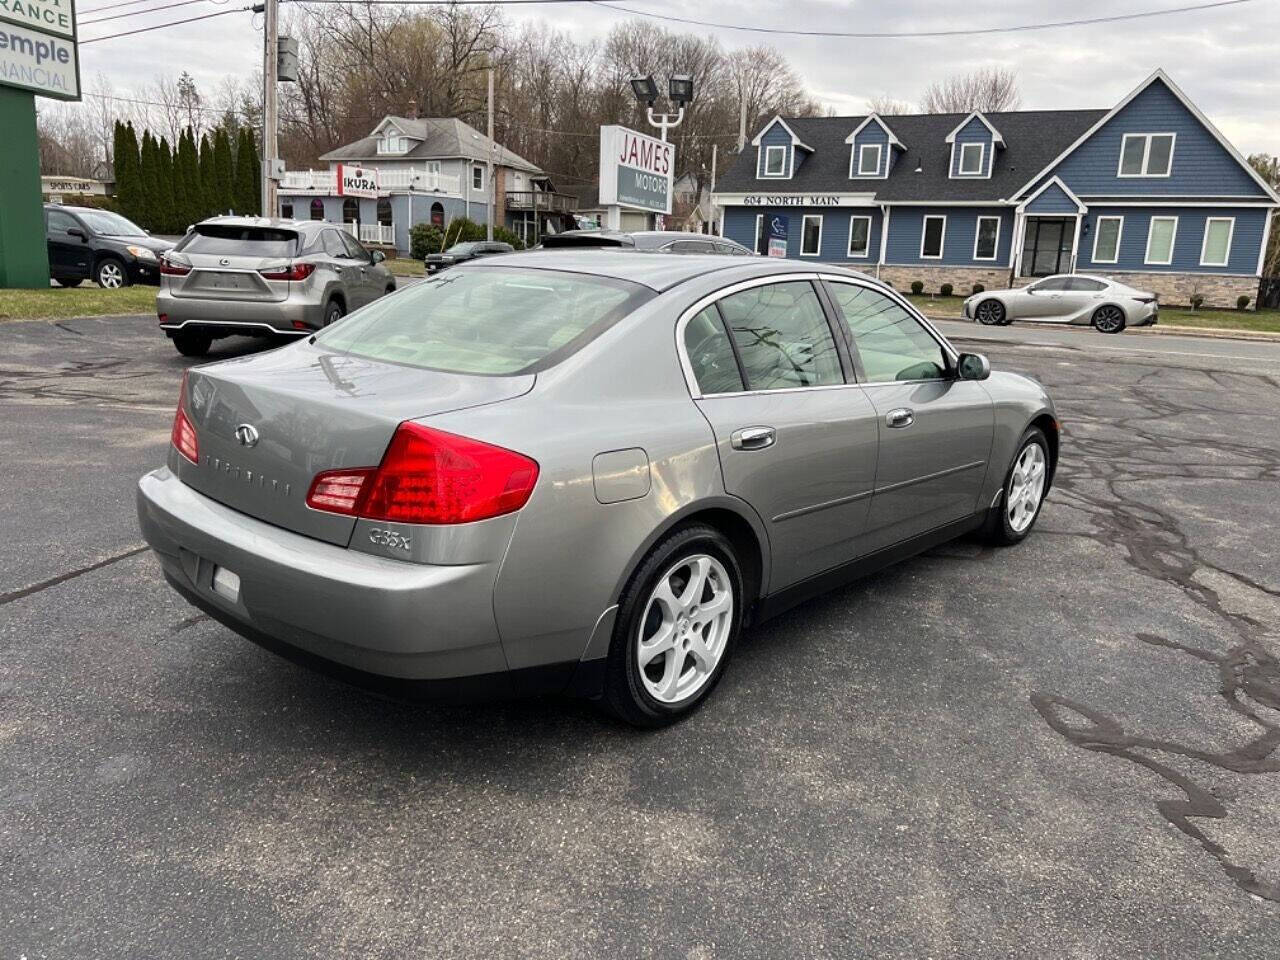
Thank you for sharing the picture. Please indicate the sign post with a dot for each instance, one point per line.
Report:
(636, 171)
(37, 58)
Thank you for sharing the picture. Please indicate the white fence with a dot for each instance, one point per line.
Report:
(383, 234)
(419, 179)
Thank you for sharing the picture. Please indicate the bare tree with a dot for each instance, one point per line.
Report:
(1268, 167)
(886, 106)
(989, 89)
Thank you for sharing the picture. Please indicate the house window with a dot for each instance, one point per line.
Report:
(317, 209)
(987, 238)
(869, 160)
(775, 161)
(1146, 155)
(1216, 249)
(932, 236)
(811, 236)
(859, 236)
(762, 242)
(477, 177)
(971, 157)
(1106, 239)
(1160, 239)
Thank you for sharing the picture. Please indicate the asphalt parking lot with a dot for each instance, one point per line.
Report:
(1064, 749)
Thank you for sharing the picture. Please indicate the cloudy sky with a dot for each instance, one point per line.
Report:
(1226, 59)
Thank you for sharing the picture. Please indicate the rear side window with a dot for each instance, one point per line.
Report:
(225, 240)
(782, 336)
(1083, 284)
(493, 321)
(710, 353)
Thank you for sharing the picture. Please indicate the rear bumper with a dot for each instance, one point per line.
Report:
(375, 616)
(238, 316)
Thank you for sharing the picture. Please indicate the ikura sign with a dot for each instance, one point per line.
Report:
(636, 170)
(357, 182)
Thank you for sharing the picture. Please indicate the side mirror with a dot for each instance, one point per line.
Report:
(973, 366)
(77, 232)
(378, 256)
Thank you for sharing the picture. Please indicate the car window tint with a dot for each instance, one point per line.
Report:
(60, 222)
(892, 343)
(710, 353)
(1083, 284)
(691, 246)
(499, 320)
(354, 250)
(1052, 284)
(782, 336)
(227, 240)
(332, 244)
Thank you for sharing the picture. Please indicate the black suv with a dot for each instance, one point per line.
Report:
(98, 245)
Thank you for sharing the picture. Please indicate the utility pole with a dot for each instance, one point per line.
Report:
(270, 147)
(742, 123)
(711, 194)
(492, 147)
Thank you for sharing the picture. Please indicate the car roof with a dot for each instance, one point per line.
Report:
(281, 222)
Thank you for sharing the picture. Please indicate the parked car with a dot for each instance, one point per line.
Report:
(558, 472)
(666, 241)
(89, 244)
(1076, 298)
(258, 276)
(462, 252)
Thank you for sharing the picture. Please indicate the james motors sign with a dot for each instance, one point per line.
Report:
(635, 170)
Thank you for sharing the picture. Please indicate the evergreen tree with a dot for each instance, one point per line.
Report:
(164, 201)
(149, 182)
(188, 172)
(178, 190)
(128, 173)
(248, 197)
(208, 203)
(224, 191)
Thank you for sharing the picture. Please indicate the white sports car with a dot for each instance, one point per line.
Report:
(1068, 298)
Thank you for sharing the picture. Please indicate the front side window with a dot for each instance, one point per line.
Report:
(1146, 154)
(869, 160)
(775, 161)
(987, 238)
(495, 321)
(892, 344)
(859, 236)
(1216, 249)
(710, 354)
(811, 237)
(60, 222)
(931, 239)
(1106, 239)
(332, 244)
(1160, 239)
(782, 336)
(971, 156)
(1051, 285)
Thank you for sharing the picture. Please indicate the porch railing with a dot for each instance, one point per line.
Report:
(420, 179)
(383, 234)
(541, 201)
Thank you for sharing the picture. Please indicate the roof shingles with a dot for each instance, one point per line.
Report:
(434, 137)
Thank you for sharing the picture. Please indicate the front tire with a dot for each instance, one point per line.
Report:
(192, 343)
(1025, 486)
(677, 624)
(1109, 319)
(110, 274)
(991, 313)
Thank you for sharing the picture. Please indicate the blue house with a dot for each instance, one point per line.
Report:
(1148, 192)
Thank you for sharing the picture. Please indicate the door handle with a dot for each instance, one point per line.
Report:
(753, 438)
(902, 417)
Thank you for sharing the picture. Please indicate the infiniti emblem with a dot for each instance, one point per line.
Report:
(247, 434)
(224, 261)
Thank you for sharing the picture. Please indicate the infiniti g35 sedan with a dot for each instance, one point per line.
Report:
(1104, 304)
(583, 472)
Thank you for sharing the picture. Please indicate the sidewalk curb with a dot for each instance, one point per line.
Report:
(1209, 333)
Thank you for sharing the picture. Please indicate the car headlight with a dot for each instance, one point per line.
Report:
(142, 253)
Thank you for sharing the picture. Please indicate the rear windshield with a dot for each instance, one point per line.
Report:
(487, 320)
(221, 240)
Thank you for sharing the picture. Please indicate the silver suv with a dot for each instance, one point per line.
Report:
(257, 276)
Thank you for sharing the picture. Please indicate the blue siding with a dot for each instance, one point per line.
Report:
(776, 136)
(975, 131)
(740, 225)
(1246, 239)
(906, 224)
(871, 133)
(1201, 165)
(1052, 201)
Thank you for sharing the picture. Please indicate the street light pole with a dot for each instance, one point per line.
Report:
(663, 121)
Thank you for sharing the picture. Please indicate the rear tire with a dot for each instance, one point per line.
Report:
(1025, 487)
(1109, 319)
(110, 274)
(679, 619)
(991, 313)
(192, 343)
(333, 312)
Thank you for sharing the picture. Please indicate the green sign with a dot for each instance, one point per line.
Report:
(38, 47)
(640, 188)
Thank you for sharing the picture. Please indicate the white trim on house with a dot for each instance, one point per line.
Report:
(783, 173)
(1159, 74)
(977, 232)
(867, 250)
(884, 238)
(1266, 239)
(924, 234)
(1097, 232)
(982, 159)
(1146, 156)
(1204, 243)
(995, 134)
(795, 141)
(804, 221)
(863, 148)
(1230, 204)
(1080, 207)
(893, 140)
(1173, 240)
(477, 169)
(755, 241)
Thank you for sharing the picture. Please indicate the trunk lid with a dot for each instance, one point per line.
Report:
(227, 261)
(311, 410)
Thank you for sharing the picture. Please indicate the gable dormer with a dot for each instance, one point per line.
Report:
(391, 140)
(974, 142)
(871, 149)
(779, 152)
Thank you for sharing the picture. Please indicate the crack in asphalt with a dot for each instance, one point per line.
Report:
(13, 595)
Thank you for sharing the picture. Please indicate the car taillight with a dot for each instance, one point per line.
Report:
(429, 476)
(294, 271)
(184, 434)
(171, 269)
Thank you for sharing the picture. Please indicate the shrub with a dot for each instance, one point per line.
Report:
(503, 235)
(917, 287)
(1242, 302)
(427, 238)
(946, 289)
(977, 288)
(1197, 301)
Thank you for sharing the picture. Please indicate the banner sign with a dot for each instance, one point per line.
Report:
(778, 225)
(357, 182)
(636, 170)
(38, 47)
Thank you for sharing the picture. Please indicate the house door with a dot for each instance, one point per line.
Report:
(1047, 245)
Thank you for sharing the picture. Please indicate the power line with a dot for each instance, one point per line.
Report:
(918, 34)
(171, 23)
(112, 6)
(139, 13)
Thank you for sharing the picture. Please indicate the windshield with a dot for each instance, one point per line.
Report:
(110, 224)
(225, 240)
(461, 248)
(487, 320)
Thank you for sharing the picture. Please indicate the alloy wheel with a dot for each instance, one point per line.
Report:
(685, 628)
(990, 312)
(1026, 487)
(1109, 319)
(110, 275)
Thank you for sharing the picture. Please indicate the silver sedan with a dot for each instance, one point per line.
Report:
(1075, 298)
(583, 471)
